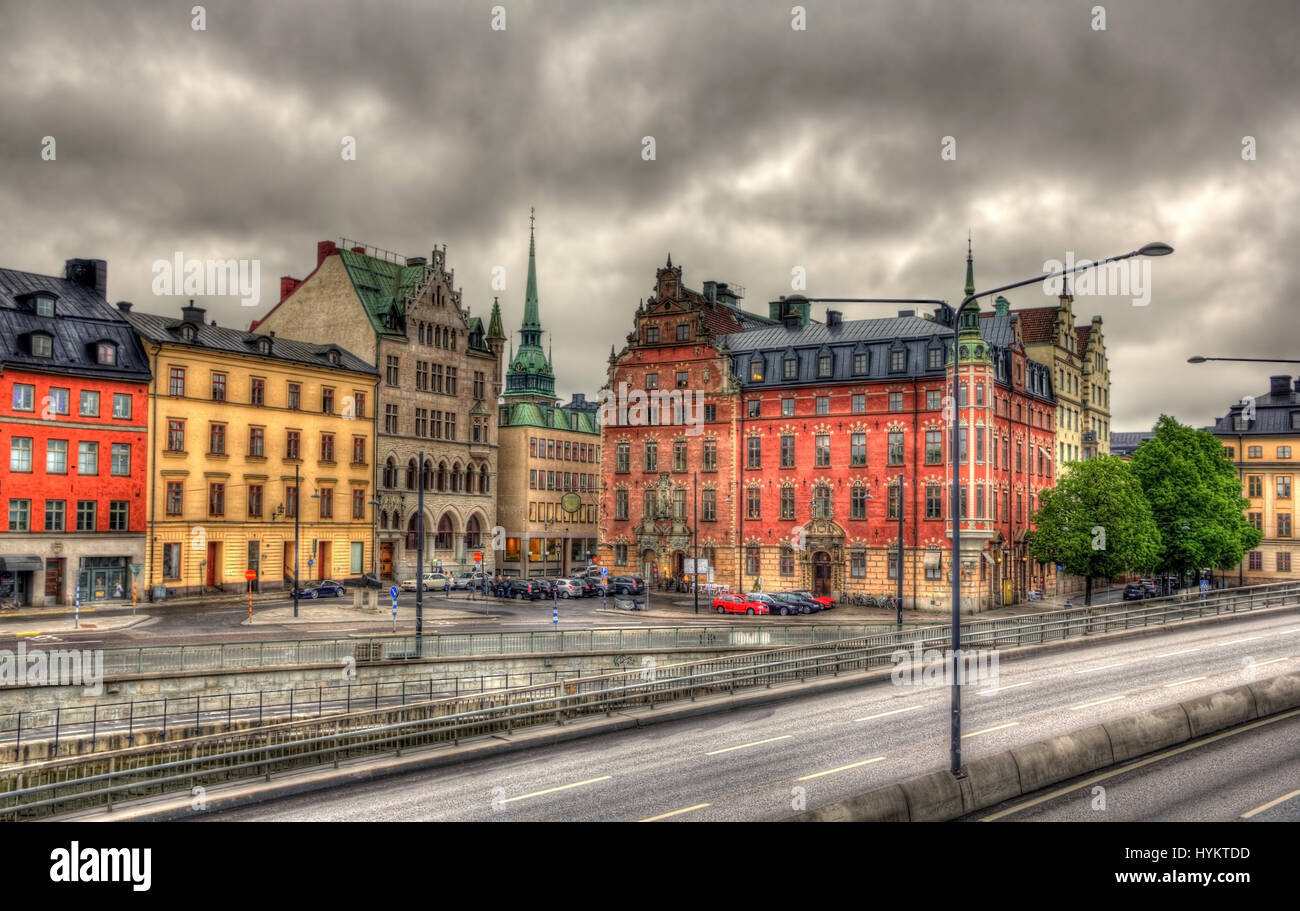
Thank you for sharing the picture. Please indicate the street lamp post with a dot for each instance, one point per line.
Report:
(900, 552)
(374, 536)
(419, 558)
(695, 537)
(297, 541)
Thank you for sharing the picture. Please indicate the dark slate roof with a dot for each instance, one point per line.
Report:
(167, 329)
(1123, 443)
(1272, 414)
(81, 319)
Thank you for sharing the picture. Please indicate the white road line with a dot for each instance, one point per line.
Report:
(852, 765)
(1235, 641)
(1088, 705)
(563, 787)
(1009, 724)
(893, 712)
(995, 690)
(747, 745)
(1269, 805)
(1273, 661)
(1186, 651)
(1285, 631)
(698, 806)
(1188, 680)
(1089, 670)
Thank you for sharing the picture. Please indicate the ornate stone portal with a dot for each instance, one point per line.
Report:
(663, 531)
(822, 535)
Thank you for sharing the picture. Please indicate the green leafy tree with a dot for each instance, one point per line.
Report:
(1096, 523)
(1195, 494)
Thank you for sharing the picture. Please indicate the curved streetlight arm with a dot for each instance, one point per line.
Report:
(1198, 359)
(1148, 250)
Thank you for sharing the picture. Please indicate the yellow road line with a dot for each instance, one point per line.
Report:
(852, 765)
(754, 744)
(698, 806)
(563, 787)
(20, 635)
(1269, 805)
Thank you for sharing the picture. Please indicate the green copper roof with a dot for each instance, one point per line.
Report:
(383, 288)
(529, 371)
(494, 325)
(970, 270)
(536, 414)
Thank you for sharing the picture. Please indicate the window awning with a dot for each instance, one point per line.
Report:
(986, 555)
(932, 558)
(22, 563)
(1020, 535)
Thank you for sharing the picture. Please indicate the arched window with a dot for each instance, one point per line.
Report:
(413, 532)
(483, 486)
(383, 518)
(390, 473)
(473, 533)
(442, 475)
(457, 478)
(410, 475)
(470, 476)
(443, 541)
(428, 474)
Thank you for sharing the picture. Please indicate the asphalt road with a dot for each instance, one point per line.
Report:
(766, 763)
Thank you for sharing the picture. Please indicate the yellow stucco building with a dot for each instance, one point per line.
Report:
(243, 428)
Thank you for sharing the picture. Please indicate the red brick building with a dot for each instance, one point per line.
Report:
(73, 421)
(805, 429)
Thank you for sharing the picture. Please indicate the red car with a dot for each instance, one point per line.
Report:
(826, 602)
(738, 604)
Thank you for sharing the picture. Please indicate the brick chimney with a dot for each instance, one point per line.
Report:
(325, 248)
(289, 284)
(89, 273)
(1280, 386)
(192, 314)
(833, 318)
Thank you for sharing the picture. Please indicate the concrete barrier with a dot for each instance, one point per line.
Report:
(1216, 711)
(1067, 756)
(1018, 772)
(1147, 732)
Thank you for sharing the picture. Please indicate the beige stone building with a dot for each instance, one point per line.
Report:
(439, 380)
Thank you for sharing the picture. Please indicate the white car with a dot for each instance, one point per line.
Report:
(567, 588)
(435, 582)
(467, 579)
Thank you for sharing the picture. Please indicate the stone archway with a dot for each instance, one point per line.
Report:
(822, 573)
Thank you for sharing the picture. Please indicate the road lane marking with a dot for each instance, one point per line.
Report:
(1111, 773)
(698, 806)
(20, 635)
(1235, 641)
(893, 712)
(1009, 724)
(1188, 680)
(746, 745)
(1088, 705)
(1285, 631)
(1089, 670)
(1269, 805)
(563, 787)
(997, 689)
(1186, 651)
(1273, 661)
(843, 768)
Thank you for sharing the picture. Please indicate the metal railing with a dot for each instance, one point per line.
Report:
(147, 771)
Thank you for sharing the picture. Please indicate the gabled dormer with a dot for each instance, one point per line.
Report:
(39, 344)
(42, 303)
(103, 352)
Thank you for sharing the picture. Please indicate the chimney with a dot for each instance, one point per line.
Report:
(1297, 385)
(1280, 386)
(124, 306)
(834, 318)
(324, 248)
(792, 320)
(907, 313)
(89, 273)
(1001, 306)
(361, 250)
(288, 284)
(192, 314)
(711, 291)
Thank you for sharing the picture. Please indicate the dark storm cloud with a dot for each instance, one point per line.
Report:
(775, 149)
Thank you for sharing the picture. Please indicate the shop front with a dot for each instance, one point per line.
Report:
(104, 579)
(17, 578)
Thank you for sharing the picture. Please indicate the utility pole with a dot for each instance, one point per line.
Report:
(419, 560)
(695, 536)
(297, 502)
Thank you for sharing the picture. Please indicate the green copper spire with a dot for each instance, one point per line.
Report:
(970, 268)
(495, 330)
(529, 371)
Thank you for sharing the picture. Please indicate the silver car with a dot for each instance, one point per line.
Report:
(567, 588)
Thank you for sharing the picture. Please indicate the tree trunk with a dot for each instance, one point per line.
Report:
(1087, 592)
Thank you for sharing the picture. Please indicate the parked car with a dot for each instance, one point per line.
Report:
(520, 589)
(794, 604)
(471, 577)
(627, 585)
(738, 604)
(323, 588)
(826, 601)
(1138, 591)
(433, 582)
(588, 586)
(568, 588)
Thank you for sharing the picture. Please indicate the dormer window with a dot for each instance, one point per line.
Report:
(333, 356)
(188, 332)
(44, 305)
(264, 346)
(42, 344)
(106, 354)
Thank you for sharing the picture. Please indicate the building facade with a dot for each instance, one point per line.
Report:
(1076, 356)
(257, 444)
(805, 429)
(73, 383)
(1261, 435)
(439, 380)
(549, 460)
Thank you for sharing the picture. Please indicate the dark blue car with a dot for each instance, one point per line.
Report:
(325, 588)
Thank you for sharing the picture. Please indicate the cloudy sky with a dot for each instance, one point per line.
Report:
(774, 148)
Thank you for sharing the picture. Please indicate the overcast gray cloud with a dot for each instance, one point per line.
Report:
(775, 148)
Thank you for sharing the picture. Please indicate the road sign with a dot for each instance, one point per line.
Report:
(604, 572)
(393, 591)
(135, 568)
(250, 574)
(1060, 568)
(478, 558)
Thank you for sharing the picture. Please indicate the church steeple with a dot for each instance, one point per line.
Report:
(529, 373)
(970, 268)
(531, 330)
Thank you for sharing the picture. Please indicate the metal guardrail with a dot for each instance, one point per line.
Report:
(99, 780)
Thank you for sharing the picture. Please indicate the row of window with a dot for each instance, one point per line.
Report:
(560, 480)
(58, 401)
(255, 501)
(554, 512)
(857, 561)
(42, 345)
(356, 407)
(438, 336)
(565, 450)
(861, 364)
(683, 333)
(257, 442)
(87, 518)
(1257, 452)
(1283, 564)
(469, 480)
(56, 457)
(1283, 522)
(823, 503)
(1255, 486)
(434, 425)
